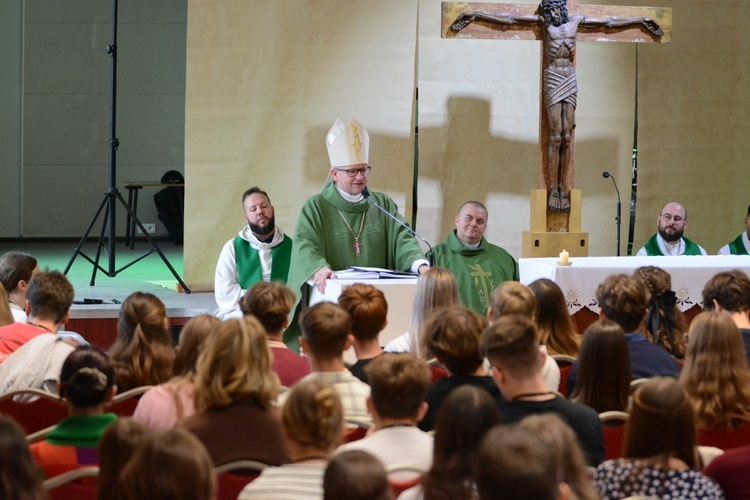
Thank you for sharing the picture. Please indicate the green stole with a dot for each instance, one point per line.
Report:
(652, 247)
(737, 247)
(248, 262)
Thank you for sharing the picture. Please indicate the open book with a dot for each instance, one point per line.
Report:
(362, 273)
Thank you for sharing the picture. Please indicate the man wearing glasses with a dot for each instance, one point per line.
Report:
(669, 240)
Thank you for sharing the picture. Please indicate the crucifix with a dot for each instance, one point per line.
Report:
(559, 31)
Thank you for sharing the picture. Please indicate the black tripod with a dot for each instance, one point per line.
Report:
(113, 194)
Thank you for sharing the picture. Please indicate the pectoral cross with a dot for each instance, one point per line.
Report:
(559, 31)
(357, 246)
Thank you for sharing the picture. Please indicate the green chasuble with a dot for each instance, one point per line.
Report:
(478, 271)
(652, 247)
(322, 239)
(248, 262)
(737, 247)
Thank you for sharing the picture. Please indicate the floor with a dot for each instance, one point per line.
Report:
(150, 274)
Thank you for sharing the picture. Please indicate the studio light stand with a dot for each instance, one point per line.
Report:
(113, 195)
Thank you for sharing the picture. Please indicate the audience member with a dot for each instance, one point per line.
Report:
(510, 344)
(87, 383)
(669, 239)
(313, 425)
(260, 253)
(36, 365)
(716, 377)
(234, 388)
(478, 265)
(561, 442)
(467, 414)
(515, 464)
(19, 476)
(369, 311)
(326, 329)
(356, 475)
(170, 402)
(142, 352)
(270, 303)
(6, 315)
(624, 300)
(660, 458)
(452, 336)
(116, 447)
(436, 288)
(729, 292)
(512, 297)
(741, 244)
(603, 368)
(553, 321)
(730, 471)
(169, 464)
(398, 385)
(49, 296)
(16, 271)
(664, 324)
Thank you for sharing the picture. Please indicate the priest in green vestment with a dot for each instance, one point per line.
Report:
(669, 239)
(478, 265)
(741, 244)
(338, 227)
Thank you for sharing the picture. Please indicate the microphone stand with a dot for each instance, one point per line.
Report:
(618, 219)
(430, 254)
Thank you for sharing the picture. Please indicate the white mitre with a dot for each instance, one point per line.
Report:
(348, 143)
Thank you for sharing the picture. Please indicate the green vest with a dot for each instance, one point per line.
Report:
(248, 262)
(737, 247)
(652, 247)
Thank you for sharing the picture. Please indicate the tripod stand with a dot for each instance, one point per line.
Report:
(113, 195)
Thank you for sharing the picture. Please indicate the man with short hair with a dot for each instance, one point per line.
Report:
(669, 239)
(49, 297)
(741, 244)
(624, 300)
(261, 252)
(510, 344)
(368, 308)
(398, 384)
(478, 265)
(326, 334)
(729, 292)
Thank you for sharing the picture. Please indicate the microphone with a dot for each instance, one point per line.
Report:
(430, 254)
(606, 175)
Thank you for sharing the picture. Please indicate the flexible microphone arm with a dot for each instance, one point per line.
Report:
(430, 254)
(618, 219)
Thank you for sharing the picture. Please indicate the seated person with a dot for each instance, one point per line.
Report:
(369, 310)
(669, 239)
(452, 336)
(261, 252)
(36, 365)
(398, 385)
(16, 271)
(729, 292)
(270, 302)
(741, 244)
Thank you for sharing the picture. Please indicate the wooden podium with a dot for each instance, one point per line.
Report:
(541, 242)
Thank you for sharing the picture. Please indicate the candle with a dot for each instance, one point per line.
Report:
(564, 257)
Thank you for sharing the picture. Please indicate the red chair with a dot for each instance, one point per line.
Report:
(437, 371)
(43, 411)
(398, 483)
(234, 476)
(124, 404)
(613, 424)
(77, 484)
(355, 431)
(725, 438)
(565, 363)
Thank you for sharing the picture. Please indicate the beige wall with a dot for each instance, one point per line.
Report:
(266, 79)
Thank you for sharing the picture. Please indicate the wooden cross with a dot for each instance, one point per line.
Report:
(588, 23)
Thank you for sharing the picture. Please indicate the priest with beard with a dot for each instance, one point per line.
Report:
(671, 224)
(261, 252)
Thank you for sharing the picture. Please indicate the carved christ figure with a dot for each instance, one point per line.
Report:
(559, 87)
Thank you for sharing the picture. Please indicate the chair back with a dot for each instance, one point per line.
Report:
(354, 430)
(613, 424)
(123, 405)
(77, 484)
(234, 476)
(565, 364)
(437, 371)
(403, 476)
(725, 438)
(43, 411)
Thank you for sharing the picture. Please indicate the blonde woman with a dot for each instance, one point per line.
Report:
(234, 387)
(715, 376)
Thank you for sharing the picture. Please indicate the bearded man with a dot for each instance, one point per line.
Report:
(261, 252)
(671, 224)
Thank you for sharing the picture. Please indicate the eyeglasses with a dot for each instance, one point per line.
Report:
(668, 217)
(354, 171)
